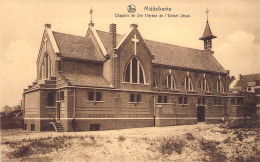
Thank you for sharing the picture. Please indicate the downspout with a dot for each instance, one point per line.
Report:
(154, 109)
(74, 105)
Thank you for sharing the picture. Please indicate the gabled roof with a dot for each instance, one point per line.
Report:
(172, 55)
(247, 78)
(207, 33)
(76, 47)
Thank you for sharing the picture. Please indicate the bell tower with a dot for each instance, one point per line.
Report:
(207, 35)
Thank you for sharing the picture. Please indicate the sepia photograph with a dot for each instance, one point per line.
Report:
(139, 80)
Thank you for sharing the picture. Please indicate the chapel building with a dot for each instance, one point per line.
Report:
(106, 80)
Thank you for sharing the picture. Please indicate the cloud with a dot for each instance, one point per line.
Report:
(18, 70)
(239, 54)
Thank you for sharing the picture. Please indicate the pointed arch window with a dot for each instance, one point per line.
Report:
(134, 72)
(170, 82)
(220, 87)
(204, 84)
(187, 83)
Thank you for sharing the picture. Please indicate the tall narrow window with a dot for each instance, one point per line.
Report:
(187, 83)
(46, 59)
(154, 82)
(134, 72)
(50, 99)
(169, 82)
(204, 84)
(220, 87)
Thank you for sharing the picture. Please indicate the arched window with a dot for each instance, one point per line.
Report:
(134, 72)
(204, 84)
(45, 68)
(220, 87)
(170, 82)
(187, 83)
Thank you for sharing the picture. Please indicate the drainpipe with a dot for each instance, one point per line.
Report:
(74, 105)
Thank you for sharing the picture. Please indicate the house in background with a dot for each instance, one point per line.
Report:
(106, 80)
(249, 86)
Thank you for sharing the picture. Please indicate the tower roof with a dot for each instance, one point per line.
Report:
(207, 33)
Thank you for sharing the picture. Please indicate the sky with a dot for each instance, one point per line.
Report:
(234, 22)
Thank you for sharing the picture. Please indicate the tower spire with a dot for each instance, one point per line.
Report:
(207, 12)
(91, 22)
(207, 35)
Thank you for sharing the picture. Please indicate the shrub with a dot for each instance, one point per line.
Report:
(190, 136)
(250, 122)
(21, 151)
(211, 148)
(121, 138)
(171, 144)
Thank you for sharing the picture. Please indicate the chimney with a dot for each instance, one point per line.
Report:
(133, 26)
(47, 26)
(112, 30)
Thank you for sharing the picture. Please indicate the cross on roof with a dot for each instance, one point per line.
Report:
(91, 11)
(207, 12)
(135, 40)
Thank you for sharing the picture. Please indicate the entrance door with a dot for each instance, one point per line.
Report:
(201, 113)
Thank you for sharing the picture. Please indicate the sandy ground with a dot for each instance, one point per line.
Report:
(199, 142)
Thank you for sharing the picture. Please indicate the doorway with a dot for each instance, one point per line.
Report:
(201, 113)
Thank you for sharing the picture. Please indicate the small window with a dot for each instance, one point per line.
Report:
(132, 97)
(160, 100)
(215, 101)
(50, 99)
(239, 101)
(203, 101)
(233, 101)
(180, 100)
(25, 127)
(32, 127)
(165, 99)
(199, 101)
(62, 95)
(220, 102)
(94, 127)
(139, 98)
(91, 96)
(249, 88)
(185, 100)
(98, 96)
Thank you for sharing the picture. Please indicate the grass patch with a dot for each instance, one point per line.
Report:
(172, 144)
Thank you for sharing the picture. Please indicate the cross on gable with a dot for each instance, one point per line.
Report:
(135, 40)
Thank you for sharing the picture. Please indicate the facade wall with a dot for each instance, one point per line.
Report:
(41, 55)
(32, 110)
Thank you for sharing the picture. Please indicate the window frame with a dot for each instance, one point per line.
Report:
(172, 82)
(220, 86)
(48, 102)
(204, 85)
(135, 98)
(94, 93)
(184, 100)
(190, 84)
(140, 69)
